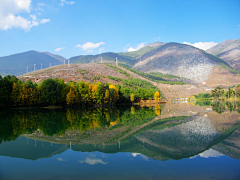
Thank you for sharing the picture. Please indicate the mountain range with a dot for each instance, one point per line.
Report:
(21, 63)
(221, 62)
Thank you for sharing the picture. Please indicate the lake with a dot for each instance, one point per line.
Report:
(171, 141)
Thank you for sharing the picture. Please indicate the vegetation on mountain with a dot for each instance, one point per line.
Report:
(222, 63)
(156, 77)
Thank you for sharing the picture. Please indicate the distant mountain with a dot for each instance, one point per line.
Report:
(181, 60)
(72, 59)
(156, 44)
(60, 58)
(229, 51)
(17, 64)
(127, 58)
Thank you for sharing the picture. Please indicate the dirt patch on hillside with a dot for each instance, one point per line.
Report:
(222, 77)
(91, 72)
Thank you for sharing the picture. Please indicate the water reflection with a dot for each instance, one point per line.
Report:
(172, 131)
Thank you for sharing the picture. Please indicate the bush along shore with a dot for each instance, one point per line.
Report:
(16, 93)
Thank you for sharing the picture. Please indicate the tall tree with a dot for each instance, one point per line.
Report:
(51, 92)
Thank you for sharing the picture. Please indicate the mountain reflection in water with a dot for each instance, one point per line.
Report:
(174, 141)
(172, 131)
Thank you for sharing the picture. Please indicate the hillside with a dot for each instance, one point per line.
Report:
(181, 60)
(16, 64)
(93, 72)
(127, 59)
(229, 51)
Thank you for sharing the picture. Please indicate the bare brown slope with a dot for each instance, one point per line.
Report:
(222, 77)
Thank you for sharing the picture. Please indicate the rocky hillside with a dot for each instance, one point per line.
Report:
(229, 51)
(181, 60)
(16, 64)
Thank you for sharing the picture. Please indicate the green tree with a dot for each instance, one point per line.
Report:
(51, 92)
(217, 92)
(237, 91)
(229, 93)
(6, 85)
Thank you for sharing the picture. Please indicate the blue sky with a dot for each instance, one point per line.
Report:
(77, 27)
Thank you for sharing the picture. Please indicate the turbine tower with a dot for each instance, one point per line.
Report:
(34, 67)
(116, 62)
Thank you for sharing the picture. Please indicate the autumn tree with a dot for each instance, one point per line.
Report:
(132, 97)
(156, 96)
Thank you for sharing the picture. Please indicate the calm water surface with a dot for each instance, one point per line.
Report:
(172, 141)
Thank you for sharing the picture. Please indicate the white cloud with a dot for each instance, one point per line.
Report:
(61, 159)
(141, 155)
(62, 2)
(89, 45)
(10, 15)
(139, 46)
(202, 45)
(44, 21)
(210, 153)
(59, 49)
(93, 161)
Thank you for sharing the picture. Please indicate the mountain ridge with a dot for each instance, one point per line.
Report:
(19, 63)
(229, 51)
(181, 60)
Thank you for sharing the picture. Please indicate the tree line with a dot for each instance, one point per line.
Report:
(219, 92)
(14, 92)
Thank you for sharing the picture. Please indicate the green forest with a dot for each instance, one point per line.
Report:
(16, 93)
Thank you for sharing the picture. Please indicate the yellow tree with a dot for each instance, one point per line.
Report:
(158, 110)
(133, 110)
(106, 98)
(24, 94)
(72, 95)
(94, 92)
(132, 97)
(156, 96)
